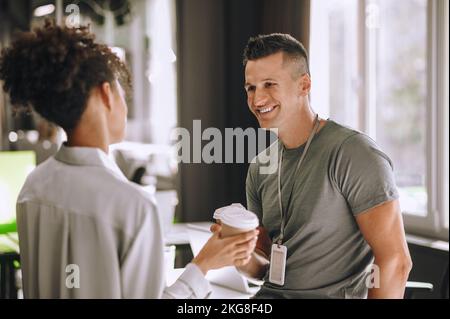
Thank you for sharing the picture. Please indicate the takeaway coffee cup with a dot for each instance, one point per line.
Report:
(235, 219)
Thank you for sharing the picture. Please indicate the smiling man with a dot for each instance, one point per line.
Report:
(331, 211)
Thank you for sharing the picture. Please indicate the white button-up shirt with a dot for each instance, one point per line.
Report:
(85, 231)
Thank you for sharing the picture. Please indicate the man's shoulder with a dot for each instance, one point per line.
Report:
(338, 133)
(339, 136)
(352, 145)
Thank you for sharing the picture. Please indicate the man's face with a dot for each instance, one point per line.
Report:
(274, 94)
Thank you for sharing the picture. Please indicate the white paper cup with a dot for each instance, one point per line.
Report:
(235, 219)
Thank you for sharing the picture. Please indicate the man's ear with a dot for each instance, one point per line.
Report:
(106, 94)
(305, 85)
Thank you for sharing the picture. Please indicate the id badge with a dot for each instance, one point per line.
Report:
(277, 264)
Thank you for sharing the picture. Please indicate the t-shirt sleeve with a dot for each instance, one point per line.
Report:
(251, 186)
(364, 174)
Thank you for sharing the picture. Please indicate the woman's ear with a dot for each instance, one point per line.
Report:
(106, 94)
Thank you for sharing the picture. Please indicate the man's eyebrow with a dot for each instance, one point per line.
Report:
(267, 79)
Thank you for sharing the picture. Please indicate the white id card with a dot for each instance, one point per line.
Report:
(277, 264)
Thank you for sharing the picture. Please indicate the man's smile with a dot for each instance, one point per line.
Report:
(266, 112)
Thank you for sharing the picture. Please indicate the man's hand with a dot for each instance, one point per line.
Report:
(220, 252)
(382, 227)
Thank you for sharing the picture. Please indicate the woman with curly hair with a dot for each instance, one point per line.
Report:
(84, 230)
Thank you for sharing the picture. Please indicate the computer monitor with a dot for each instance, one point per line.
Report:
(14, 169)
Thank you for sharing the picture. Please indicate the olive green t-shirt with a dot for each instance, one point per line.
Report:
(343, 174)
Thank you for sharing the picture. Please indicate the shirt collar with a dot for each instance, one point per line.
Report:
(87, 156)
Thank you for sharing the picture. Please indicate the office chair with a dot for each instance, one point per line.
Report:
(413, 287)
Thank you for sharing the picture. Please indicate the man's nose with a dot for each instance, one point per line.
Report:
(261, 98)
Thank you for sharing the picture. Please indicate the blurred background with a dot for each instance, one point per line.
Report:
(379, 66)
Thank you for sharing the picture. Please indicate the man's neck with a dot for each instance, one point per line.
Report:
(296, 132)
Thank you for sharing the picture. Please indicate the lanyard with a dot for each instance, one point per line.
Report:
(280, 204)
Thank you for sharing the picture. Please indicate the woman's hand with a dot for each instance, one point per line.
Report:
(231, 251)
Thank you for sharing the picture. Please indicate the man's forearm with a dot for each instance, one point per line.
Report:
(256, 267)
(393, 276)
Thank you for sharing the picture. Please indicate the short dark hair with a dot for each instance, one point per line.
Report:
(53, 69)
(268, 44)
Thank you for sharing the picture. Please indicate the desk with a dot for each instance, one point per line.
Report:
(218, 292)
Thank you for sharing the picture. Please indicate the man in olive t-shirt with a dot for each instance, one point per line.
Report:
(343, 175)
(344, 212)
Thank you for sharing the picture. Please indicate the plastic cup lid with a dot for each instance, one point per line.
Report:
(237, 216)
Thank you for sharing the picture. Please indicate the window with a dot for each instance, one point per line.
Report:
(334, 60)
(400, 99)
(162, 71)
(381, 66)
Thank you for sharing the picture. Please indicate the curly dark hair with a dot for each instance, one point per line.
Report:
(53, 69)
